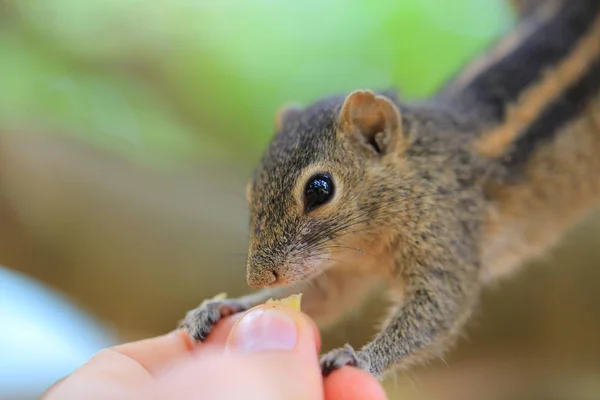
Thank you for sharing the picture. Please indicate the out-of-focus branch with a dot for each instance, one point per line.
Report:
(110, 233)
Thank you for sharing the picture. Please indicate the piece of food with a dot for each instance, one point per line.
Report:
(294, 301)
(219, 297)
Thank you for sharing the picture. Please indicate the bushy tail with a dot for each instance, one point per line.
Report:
(528, 7)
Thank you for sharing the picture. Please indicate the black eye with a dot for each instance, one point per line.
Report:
(319, 190)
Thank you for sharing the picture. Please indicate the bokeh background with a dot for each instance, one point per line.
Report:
(128, 129)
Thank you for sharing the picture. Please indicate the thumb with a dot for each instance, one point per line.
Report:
(282, 344)
(271, 353)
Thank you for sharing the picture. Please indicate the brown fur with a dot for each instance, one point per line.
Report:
(508, 43)
(562, 183)
(534, 100)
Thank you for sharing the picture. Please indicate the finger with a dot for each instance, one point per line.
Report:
(353, 384)
(284, 343)
(258, 325)
(222, 376)
(270, 354)
(137, 363)
(218, 337)
(109, 374)
(157, 353)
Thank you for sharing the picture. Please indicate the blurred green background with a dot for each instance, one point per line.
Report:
(128, 129)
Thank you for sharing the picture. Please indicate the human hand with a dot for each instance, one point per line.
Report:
(269, 352)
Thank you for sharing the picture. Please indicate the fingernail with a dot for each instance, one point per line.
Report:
(264, 329)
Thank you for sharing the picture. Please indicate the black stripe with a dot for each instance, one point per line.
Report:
(488, 94)
(554, 117)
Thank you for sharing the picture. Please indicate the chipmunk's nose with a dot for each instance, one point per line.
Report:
(259, 277)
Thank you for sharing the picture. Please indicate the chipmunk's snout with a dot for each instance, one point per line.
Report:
(261, 277)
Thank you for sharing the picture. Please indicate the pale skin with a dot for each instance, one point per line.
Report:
(237, 361)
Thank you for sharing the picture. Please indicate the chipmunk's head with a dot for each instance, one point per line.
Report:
(319, 186)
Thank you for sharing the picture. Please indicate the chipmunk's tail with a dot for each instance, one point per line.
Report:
(527, 7)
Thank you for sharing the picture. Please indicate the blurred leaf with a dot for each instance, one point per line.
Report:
(224, 67)
(108, 111)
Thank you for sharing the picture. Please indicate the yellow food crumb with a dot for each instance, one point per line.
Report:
(294, 301)
(220, 296)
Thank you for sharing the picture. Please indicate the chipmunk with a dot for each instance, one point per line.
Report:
(436, 199)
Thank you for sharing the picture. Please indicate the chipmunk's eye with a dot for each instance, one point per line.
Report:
(319, 190)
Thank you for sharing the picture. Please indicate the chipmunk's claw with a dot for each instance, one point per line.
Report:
(199, 322)
(341, 357)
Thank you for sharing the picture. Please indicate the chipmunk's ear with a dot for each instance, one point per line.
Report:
(285, 113)
(374, 120)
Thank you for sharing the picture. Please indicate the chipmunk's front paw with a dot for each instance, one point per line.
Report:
(200, 321)
(341, 357)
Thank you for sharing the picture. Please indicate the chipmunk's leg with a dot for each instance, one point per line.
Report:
(324, 299)
(438, 300)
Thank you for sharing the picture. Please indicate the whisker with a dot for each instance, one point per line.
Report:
(349, 225)
(318, 242)
(307, 280)
(339, 248)
(334, 260)
(304, 276)
(326, 277)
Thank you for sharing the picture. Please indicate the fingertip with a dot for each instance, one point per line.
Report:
(266, 323)
(351, 383)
